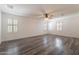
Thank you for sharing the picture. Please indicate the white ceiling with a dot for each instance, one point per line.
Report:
(39, 9)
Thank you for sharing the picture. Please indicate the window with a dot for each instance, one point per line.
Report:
(45, 25)
(59, 26)
(51, 25)
(9, 25)
(12, 25)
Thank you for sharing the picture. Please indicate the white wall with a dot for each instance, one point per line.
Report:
(0, 26)
(26, 27)
(70, 26)
(33, 27)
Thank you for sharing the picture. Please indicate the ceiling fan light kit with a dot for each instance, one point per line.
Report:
(46, 19)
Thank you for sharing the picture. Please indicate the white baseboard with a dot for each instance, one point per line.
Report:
(65, 35)
(27, 36)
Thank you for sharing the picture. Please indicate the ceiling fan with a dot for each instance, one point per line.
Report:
(43, 14)
(46, 16)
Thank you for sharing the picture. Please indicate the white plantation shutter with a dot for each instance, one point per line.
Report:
(12, 25)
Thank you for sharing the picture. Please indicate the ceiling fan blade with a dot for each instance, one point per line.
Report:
(64, 16)
(40, 14)
(57, 11)
(35, 16)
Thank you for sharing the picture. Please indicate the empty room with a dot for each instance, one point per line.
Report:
(39, 29)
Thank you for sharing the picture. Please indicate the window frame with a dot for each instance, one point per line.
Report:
(13, 25)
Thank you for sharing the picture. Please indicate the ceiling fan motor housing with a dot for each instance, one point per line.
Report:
(46, 15)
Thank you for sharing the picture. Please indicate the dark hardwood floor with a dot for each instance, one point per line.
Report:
(41, 45)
